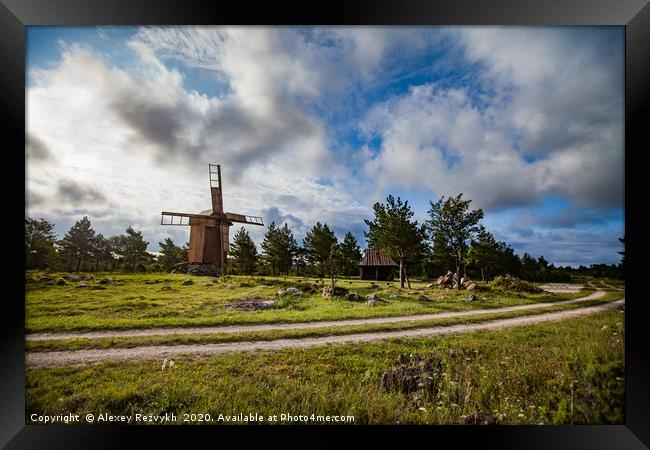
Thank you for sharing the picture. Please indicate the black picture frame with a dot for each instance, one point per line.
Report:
(634, 15)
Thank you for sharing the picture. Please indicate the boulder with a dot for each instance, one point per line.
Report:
(290, 291)
(353, 297)
(152, 281)
(440, 280)
(462, 281)
(327, 291)
(104, 281)
(61, 282)
(429, 286)
(374, 286)
(166, 287)
(199, 269)
(372, 299)
(82, 284)
(73, 278)
(252, 304)
(187, 282)
(97, 288)
(471, 297)
(209, 284)
(471, 286)
(311, 288)
(423, 298)
(87, 277)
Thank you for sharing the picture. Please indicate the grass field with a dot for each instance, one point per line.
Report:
(564, 372)
(132, 303)
(204, 338)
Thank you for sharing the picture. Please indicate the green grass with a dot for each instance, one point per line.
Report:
(554, 373)
(211, 338)
(130, 303)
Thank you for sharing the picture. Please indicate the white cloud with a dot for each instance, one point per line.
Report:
(138, 135)
(552, 125)
(137, 138)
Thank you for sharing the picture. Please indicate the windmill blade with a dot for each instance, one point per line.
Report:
(241, 218)
(225, 239)
(184, 219)
(215, 188)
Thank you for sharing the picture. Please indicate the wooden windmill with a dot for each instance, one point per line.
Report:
(209, 232)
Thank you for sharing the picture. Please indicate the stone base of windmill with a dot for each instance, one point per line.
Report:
(200, 269)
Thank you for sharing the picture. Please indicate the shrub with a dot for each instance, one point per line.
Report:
(510, 283)
(289, 302)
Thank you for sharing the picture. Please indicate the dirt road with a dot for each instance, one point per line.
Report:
(295, 326)
(62, 358)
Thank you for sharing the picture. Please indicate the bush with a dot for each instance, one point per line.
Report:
(289, 302)
(155, 267)
(510, 283)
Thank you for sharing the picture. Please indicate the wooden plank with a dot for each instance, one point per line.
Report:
(211, 245)
(241, 218)
(197, 243)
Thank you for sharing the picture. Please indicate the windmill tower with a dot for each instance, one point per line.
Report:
(209, 229)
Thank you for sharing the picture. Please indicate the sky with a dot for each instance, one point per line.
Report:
(319, 123)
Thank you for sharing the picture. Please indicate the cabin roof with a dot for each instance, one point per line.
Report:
(373, 257)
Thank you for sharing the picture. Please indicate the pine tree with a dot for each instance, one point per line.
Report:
(318, 243)
(40, 250)
(279, 247)
(394, 233)
(77, 244)
(133, 249)
(171, 254)
(269, 245)
(287, 248)
(452, 222)
(350, 254)
(244, 252)
(101, 251)
(483, 252)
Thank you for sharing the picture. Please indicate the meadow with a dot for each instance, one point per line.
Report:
(564, 372)
(568, 372)
(144, 301)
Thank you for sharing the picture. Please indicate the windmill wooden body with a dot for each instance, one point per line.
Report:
(209, 229)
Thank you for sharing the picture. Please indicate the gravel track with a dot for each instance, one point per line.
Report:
(295, 326)
(64, 358)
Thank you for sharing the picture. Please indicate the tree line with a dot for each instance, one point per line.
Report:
(82, 249)
(452, 238)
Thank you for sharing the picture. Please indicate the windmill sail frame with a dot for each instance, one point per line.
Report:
(209, 233)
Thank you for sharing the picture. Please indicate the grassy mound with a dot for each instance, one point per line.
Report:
(514, 284)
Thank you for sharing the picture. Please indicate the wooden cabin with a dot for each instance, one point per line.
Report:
(375, 266)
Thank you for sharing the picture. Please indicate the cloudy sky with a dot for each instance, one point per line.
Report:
(316, 124)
